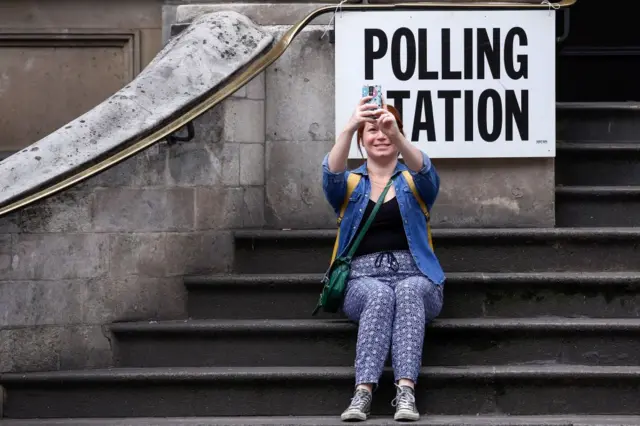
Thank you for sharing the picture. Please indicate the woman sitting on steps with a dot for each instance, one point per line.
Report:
(395, 284)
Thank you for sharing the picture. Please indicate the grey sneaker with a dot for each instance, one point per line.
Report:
(405, 403)
(360, 406)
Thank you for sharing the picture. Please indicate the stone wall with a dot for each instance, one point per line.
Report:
(116, 247)
(58, 284)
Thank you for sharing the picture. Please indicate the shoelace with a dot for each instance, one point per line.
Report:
(404, 399)
(360, 398)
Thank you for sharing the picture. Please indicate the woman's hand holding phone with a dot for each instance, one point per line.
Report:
(365, 112)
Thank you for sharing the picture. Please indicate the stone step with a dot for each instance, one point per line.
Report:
(467, 295)
(598, 206)
(599, 163)
(426, 420)
(326, 343)
(318, 391)
(598, 121)
(459, 250)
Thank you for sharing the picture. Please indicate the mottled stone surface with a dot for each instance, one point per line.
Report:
(495, 193)
(300, 90)
(120, 209)
(46, 347)
(59, 256)
(189, 66)
(299, 132)
(117, 246)
(252, 164)
(237, 128)
(294, 196)
(267, 13)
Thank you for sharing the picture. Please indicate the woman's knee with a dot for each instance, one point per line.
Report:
(412, 287)
(365, 293)
(379, 294)
(421, 289)
(433, 300)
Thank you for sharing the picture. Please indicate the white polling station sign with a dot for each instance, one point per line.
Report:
(468, 83)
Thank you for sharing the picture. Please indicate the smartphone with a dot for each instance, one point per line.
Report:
(375, 91)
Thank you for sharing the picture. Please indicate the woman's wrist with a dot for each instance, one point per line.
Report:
(397, 138)
(350, 129)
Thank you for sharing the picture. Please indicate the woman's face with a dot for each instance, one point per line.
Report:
(376, 143)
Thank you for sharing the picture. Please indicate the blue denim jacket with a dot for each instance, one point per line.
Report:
(427, 183)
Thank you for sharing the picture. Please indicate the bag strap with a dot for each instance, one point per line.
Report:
(412, 185)
(358, 240)
(352, 182)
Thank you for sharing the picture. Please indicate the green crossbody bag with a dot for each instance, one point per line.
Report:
(335, 280)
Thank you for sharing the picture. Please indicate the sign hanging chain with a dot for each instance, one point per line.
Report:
(554, 6)
(327, 28)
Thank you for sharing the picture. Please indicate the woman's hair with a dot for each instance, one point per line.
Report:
(393, 111)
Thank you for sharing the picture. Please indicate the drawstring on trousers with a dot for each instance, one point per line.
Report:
(392, 261)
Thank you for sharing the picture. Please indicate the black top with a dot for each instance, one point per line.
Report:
(386, 233)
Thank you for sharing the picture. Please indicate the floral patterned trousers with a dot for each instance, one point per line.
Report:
(392, 301)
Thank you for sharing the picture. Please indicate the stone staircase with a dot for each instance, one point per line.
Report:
(539, 327)
(598, 165)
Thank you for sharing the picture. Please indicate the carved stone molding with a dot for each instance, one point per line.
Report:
(129, 41)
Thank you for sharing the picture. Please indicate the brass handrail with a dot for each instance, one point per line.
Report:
(247, 75)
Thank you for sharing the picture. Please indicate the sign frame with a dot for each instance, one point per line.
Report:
(524, 94)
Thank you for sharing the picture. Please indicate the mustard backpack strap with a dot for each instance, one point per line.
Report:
(412, 186)
(352, 181)
(423, 206)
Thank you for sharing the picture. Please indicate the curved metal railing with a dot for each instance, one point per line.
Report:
(250, 72)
